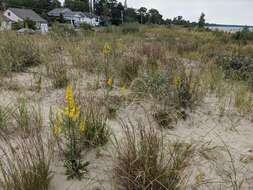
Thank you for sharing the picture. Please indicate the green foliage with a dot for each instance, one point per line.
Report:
(156, 85)
(85, 26)
(76, 168)
(243, 36)
(77, 5)
(29, 24)
(41, 7)
(154, 17)
(17, 25)
(202, 21)
(237, 67)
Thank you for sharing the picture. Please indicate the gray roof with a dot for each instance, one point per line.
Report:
(80, 14)
(27, 13)
(58, 11)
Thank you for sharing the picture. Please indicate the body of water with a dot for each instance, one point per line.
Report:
(228, 28)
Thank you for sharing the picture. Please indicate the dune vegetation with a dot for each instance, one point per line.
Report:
(135, 107)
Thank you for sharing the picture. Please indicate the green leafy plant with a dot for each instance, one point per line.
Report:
(69, 128)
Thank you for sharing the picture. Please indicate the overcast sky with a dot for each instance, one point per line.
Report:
(217, 11)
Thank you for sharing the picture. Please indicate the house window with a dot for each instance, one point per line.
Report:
(9, 14)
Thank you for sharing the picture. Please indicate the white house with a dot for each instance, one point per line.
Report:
(77, 18)
(15, 15)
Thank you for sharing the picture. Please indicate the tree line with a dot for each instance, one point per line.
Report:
(109, 10)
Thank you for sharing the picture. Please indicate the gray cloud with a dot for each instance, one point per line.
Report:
(217, 11)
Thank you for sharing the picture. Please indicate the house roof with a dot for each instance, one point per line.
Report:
(27, 13)
(80, 14)
(58, 11)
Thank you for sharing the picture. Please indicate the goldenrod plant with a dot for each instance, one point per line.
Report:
(69, 130)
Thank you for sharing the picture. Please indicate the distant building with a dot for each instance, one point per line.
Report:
(75, 17)
(15, 15)
(57, 12)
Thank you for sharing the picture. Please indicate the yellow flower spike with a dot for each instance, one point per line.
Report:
(82, 126)
(177, 81)
(110, 82)
(107, 49)
(71, 111)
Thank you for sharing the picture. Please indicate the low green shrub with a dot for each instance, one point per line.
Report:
(85, 26)
(237, 67)
(243, 36)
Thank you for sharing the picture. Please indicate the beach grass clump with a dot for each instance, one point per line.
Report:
(18, 53)
(128, 69)
(243, 100)
(58, 72)
(97, 131)
(155, 54)
(25, 162)
(143, 161)
(5, 116)
(27, 117)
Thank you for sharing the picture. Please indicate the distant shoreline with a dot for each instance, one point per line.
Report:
(228, 25)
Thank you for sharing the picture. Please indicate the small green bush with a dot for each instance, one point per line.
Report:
(237, 67)
(85, 26)
(243, 36)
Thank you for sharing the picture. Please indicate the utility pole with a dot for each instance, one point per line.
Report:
(125, 4)
(91, 6)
